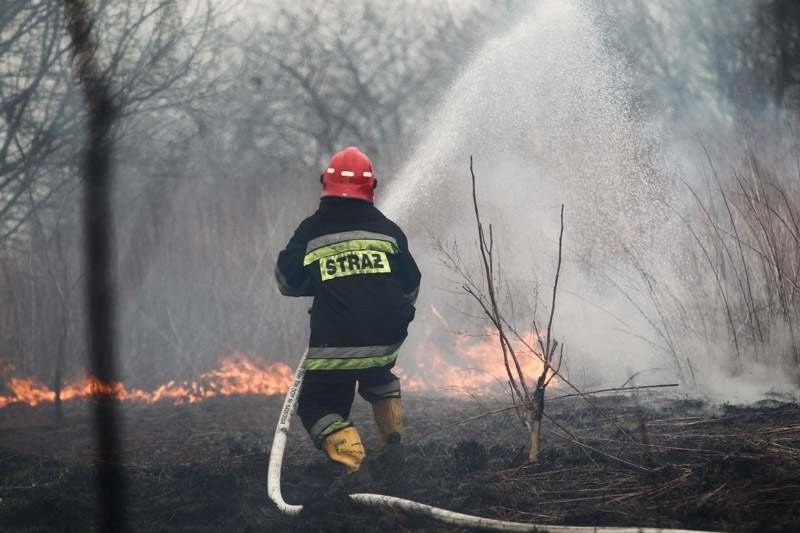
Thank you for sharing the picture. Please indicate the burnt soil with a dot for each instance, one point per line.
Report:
(625, 461)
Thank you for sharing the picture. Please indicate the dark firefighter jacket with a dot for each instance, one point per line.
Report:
(356, 264)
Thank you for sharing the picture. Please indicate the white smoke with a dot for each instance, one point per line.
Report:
(548, 115)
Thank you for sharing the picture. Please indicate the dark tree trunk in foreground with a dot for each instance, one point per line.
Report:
(100, 282)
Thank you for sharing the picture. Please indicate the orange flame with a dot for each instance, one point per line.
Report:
(476, 365)
(237, 374)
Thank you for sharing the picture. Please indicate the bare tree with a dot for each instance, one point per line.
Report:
(527, 392)
(356, 72)
(38, 112)
(155, 55)
(148, 51)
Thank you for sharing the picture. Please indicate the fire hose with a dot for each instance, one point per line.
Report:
(392, 502)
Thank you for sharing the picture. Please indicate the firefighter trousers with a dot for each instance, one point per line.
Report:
(327, 395)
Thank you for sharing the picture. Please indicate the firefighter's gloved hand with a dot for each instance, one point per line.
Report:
(345, 447)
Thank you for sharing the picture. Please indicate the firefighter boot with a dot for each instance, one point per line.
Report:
(345, 447)
(389, 419)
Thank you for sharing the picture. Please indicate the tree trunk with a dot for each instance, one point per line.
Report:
(537, 410)
(536, 434)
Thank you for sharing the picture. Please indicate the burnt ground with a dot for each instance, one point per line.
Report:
(642, 460)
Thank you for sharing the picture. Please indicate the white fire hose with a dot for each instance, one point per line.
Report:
(391, 502)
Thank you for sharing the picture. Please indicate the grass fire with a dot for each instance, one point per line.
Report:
(480, 371)
(236, 375)
(364, 265)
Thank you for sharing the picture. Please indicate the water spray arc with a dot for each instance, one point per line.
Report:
(409, 506)
(548, 112)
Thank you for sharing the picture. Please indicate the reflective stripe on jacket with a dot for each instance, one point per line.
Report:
(356, 264)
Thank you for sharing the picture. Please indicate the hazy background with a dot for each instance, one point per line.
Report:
(667, 128)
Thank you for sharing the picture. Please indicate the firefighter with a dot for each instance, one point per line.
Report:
(356, 264)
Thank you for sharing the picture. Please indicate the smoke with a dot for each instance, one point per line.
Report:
(547, 114)
(552, 116)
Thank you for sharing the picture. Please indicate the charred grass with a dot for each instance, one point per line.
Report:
(662, 462)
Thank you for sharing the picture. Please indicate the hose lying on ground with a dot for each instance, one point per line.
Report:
(391, 502)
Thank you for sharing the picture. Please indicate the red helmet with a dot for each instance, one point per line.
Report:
(349, 174)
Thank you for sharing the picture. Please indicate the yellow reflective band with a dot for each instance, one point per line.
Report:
(349, 364)
(352, 263)
(349, 246)
(333, 428)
